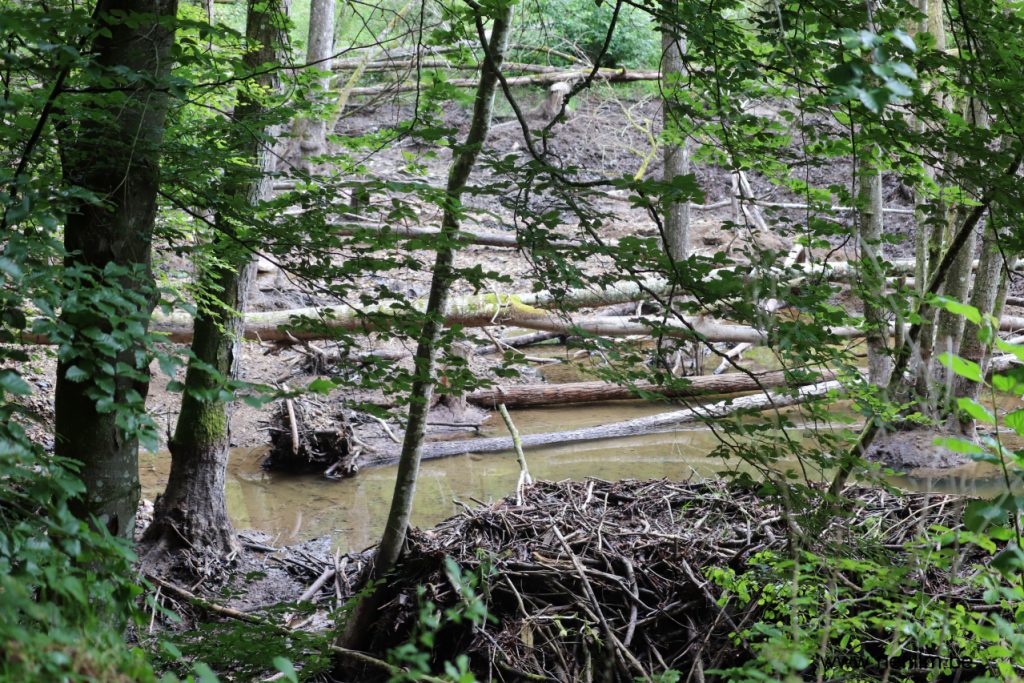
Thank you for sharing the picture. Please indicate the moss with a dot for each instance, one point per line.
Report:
(201, 423)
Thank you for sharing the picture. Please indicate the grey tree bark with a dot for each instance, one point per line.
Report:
(949, 328)
(393, 540)
(311, 133)
(115, 155)
(192, 512)
(929, 231)
(869, 236)
(988, 296)
(676, 154)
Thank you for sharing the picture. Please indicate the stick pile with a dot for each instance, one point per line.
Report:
(600, 581)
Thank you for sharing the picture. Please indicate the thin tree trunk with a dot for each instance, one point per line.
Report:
(873, 277)
(904, 350)
(311, 133)
(989, 289)
(675, 150)
(928, 237)
(116, 157)
(393, 540)
(192, 512)
(949, 329)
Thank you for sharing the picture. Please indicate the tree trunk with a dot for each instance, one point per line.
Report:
(949, 329)
(393, 540)
(872, 275)
(989, 288)
(928, 234)
(637, 426)
(192, 512)
(851, 458)
(115, 156)
(311, 132)
(531, 396)
(675, 150)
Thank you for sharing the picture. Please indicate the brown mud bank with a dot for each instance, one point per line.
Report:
(621, 581)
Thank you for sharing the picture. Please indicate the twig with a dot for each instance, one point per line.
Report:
(524, 472)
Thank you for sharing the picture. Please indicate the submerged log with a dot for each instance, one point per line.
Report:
(530, 396)
(642, 425)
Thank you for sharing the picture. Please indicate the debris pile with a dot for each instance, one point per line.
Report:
(594, 580)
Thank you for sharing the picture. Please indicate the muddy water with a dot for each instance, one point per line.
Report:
(353, 512)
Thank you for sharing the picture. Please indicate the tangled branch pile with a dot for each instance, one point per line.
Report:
(595, 581)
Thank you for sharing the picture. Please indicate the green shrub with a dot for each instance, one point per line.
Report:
(580, 26)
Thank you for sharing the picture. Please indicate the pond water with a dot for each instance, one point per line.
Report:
(353, 511)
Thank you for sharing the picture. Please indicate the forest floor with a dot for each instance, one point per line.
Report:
(606, 136)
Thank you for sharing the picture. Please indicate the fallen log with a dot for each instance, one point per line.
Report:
(637, 426)
(606, 75)
(531, 396)
(466, 237)
(528, 310)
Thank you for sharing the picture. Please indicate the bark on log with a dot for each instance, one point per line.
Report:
(526, 310)
(642, 425)
(530, 396)
(607, 75)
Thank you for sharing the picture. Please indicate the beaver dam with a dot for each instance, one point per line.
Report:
(624, 581)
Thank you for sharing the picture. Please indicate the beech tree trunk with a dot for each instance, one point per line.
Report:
(988, 296)
(872, 276)
(192, 512)
(311, 132)
(676, 154)
(928, 233)
(115, 155)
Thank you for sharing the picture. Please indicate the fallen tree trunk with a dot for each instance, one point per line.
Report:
(471, 237)
(529, 310)
(531, 396)
(606, 75)
(641, 425)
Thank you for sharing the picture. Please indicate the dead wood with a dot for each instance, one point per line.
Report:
(304, 438)
(594, 573)
(606, 75)
(530, 396)
(642, 425)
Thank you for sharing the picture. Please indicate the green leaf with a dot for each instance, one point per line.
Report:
(204, 674)
(12, 383)
(962, 367)
(1015, 421)
(285, 667)
(957, 308)
(980, 515)
(76, 374)
(1007, 384)
(906, 40)
(958, 445)
(321, 386)
(1015, 349)
(1010, 561)
(975, 410)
